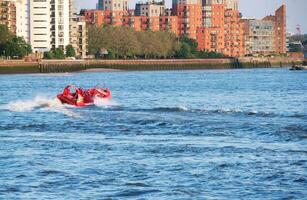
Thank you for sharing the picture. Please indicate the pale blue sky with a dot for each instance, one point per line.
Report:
(296, 10)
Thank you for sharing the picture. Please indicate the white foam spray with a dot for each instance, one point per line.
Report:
(40, 102)
(105, 102)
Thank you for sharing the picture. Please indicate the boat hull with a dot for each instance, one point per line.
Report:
(84, 98)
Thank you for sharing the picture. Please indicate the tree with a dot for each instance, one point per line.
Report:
(5, 34)
(16, 47)
(48, 55)
(184, 51)
(126, 43)
(58, 53)
(70, 51)
(296, 47)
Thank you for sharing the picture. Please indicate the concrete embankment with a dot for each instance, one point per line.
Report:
(58, 66)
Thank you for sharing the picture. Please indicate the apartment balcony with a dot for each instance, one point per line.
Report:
(186, 21)
(186, 14)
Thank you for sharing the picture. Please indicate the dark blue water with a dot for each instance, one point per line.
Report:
(234, 134)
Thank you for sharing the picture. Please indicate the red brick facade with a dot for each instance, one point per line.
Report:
(280, 22)
(220, 30)
(8, 15)
(139, 23)
(225, 34)
(189, 19)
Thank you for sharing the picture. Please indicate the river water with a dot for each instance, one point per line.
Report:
(215, 134)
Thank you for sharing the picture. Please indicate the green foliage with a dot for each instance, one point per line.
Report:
(58, 54)
(206, 54)
(184, 51)
(5, 34)
(16, 47)
(188, 49)
(295, 47)
(126, 43)
(55, 54)
(110, 55)
(70, 51)
(12, 46)
(48, 55)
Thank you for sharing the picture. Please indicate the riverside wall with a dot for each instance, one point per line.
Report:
(58, 66)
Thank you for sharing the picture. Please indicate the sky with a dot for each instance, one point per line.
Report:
(296, 10)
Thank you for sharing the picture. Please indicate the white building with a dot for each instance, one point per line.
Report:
(60, 23)
(45, 24)
(40, 25)
(22, 19)
(150, 9)
(114, 5)
(78, 36)
(232, 4)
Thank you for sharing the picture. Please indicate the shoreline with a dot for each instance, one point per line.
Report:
(60, 66)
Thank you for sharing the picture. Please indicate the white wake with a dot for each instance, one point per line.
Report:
(40, 102)
(105, 102)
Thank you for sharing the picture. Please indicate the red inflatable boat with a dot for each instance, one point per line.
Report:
(79, 97)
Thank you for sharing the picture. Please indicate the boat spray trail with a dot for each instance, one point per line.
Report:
(40, 102)
(105, 102)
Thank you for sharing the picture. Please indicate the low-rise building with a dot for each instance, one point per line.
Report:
(259, 37)
(150, 9)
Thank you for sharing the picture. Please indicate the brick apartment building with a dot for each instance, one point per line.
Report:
(147, 16)
(280, 22)
(211, 36)
(217, 25)
(222, 31)
(8, 15)
(183, 19)
(189, 13)
(234, 34)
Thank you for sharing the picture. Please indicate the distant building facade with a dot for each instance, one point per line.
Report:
(280, 22)
(211, 36)
(44, 24)
(234, 34)
(150, 9)
(147, 16)
(216, 25)
(259, 36)
(189, 13)
(22, 19)
(8, 14)
(100, 4)
(79, 36)
(222, 29)
(232, 4)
